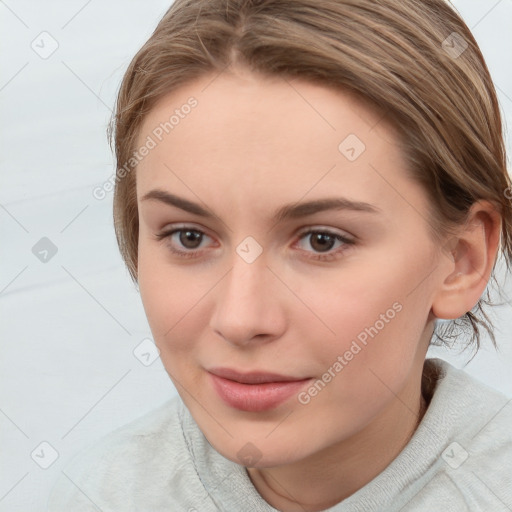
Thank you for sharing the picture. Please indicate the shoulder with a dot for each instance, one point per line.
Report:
(144, 462)
(473, 466)
(479, 460)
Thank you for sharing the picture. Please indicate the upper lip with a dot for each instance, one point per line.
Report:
(252, 377)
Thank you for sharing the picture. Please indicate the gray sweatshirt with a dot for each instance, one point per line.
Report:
(458, 460)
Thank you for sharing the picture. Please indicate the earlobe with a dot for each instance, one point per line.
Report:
(469, 263)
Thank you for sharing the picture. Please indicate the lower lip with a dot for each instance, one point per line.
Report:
(255, 397)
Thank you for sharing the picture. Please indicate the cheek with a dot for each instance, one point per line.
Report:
(174, 300)
(152, 288)
(172, 328)
(375, 318)
(163, 296)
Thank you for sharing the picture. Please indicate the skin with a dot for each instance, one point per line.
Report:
(252, 145)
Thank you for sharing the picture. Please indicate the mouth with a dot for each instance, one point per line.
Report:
(254, 391)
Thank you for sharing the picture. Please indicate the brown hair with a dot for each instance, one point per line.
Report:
(416, 60)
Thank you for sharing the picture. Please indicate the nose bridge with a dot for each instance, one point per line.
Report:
(247, 281)
(246, 306)
(248, 270)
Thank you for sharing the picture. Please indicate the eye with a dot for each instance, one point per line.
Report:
(187, 237)
(323, 241)
(185, 241)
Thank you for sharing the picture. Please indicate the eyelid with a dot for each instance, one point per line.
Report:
(183, 226)
(168, 232)
(299, 232)
(328, 230)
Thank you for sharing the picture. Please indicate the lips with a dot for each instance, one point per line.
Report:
(253, 377)
(254, 391)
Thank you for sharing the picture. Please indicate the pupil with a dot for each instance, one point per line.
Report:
(189, 236)
(325, 241)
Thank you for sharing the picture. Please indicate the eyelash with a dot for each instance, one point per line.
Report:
(319, 256)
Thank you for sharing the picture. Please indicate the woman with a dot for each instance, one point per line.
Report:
(304, 188)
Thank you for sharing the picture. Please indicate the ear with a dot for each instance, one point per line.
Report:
(471, 257)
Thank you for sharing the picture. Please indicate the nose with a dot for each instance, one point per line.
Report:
(249, 304)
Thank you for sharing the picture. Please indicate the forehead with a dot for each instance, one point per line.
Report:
(268, 136)
(246, 101)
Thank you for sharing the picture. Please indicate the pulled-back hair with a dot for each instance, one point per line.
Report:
(415, 60)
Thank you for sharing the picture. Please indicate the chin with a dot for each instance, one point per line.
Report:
(258, 454)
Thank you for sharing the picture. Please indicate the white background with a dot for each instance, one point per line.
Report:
(69, 326)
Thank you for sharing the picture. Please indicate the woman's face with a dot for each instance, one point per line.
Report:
(344, 311)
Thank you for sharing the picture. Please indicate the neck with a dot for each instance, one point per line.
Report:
(325, 478)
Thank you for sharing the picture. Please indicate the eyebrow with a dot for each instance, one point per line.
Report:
(289, 211)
